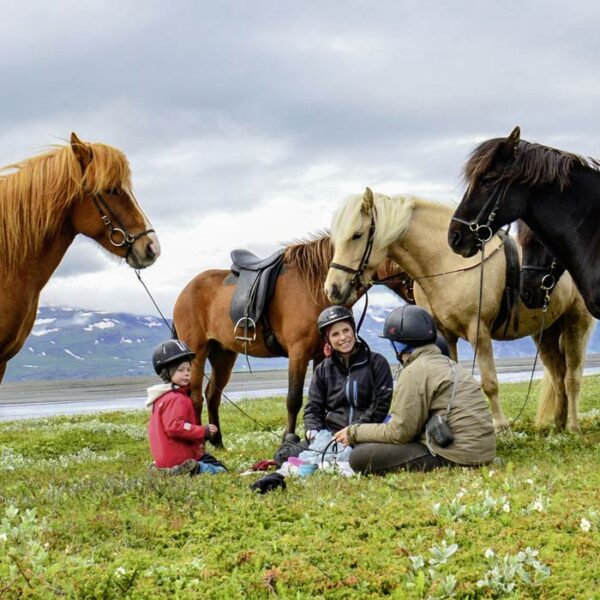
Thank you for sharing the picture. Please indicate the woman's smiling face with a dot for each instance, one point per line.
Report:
(341, 337)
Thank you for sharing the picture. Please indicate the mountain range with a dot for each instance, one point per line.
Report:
(71, 343)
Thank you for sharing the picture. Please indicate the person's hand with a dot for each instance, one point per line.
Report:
(213, 429)
(342, 436)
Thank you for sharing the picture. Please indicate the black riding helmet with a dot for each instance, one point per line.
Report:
(333, 314)
(170, 353)
(410, 325)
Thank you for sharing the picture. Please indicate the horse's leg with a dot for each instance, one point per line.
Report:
(575, 336)
(489, 378)
(298, 363)
(452, 345)
(2, 371)
(553, 398)
(221, 362)
(197, 380)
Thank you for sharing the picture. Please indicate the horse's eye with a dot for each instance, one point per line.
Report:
(357, 236)
(113, 192)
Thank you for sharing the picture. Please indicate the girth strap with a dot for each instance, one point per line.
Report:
(509, 306)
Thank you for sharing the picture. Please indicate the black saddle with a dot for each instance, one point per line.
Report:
(244, 260)
(256, 279)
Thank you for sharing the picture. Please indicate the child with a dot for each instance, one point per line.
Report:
(176, 439)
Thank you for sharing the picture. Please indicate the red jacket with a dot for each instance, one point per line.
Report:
(173, 430)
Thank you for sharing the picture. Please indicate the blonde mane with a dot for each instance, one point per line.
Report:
(311, 257)
(36, 192)
(392, 218)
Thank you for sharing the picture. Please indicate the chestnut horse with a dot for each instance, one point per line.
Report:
(413, 233)
(555, 192)
(201, 319)
(45, 201)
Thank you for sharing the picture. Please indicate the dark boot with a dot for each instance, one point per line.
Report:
(292, 446)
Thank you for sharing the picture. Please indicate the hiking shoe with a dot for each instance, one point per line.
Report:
(291, 447)
(186, 467)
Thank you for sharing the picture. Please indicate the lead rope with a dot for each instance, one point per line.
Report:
(537, 353)
(479, 308)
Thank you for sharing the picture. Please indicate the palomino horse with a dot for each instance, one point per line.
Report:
(556, 193)
(540, 271)
(45, 201)
(412, 232)
(201, 319)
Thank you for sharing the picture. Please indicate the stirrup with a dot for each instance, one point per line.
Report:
(244, 337)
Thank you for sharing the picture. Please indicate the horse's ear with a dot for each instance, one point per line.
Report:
(81, 150)
(367, 203)
(515, 136)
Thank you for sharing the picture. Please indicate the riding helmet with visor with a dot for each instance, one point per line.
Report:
(170, 353)
(333, 314)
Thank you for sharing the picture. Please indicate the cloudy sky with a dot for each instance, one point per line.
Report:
(246, 123)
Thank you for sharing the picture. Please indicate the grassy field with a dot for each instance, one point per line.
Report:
(82, 517)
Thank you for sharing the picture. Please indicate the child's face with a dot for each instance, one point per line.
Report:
(182, 374)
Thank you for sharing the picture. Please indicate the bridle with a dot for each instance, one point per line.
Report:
(118, 236)
(549, 280)
(357, 273)
(483, 232)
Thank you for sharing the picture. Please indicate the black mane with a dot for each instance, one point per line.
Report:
(534, 164)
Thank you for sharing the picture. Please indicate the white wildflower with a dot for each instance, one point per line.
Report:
(506, 507)
(489, 553)
(585, 524)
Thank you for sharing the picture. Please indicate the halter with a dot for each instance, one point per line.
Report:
(548, 281)
(357, 273)
(118, 236)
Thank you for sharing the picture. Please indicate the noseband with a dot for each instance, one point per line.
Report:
(118, 236)
(357, 273)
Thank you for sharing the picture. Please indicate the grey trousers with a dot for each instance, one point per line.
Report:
(383, 458)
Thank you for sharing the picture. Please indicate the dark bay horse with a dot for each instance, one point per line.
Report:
(540, 271)
(555, 192)
(201, 319)
(413, 233)
(45, 201)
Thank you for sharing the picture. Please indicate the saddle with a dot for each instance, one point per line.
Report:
(255, 280)
(509, 306)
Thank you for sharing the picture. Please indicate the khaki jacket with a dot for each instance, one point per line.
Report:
(423, 389)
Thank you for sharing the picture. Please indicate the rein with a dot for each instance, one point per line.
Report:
(118, 236)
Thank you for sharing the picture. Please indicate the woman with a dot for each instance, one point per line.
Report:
(352, 384)
(438, 417)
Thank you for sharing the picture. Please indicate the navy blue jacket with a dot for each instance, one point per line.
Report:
(339, 396)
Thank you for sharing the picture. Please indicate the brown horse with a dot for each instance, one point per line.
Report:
(412, 232)
(45, 201)
(201, 319)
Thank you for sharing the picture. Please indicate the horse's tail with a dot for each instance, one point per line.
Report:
(547, 401)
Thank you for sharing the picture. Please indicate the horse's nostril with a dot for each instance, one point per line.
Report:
(334, 292)
(151, 250)
(455, 239)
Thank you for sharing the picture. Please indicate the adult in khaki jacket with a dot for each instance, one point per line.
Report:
(427, 385)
